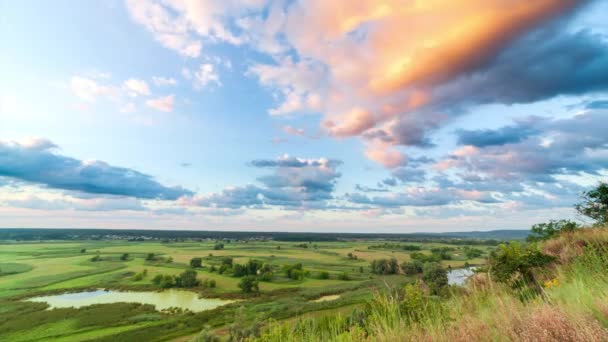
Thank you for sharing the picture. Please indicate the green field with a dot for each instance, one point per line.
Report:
(29, 269)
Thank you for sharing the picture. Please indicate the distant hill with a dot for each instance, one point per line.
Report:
(136, 234)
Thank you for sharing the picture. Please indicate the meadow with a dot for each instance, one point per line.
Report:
(299, 280)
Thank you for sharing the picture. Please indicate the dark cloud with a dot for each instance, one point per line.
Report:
(294, 183)
(388, 182)
(409, 175)
(488, 137)
(364, 188)
(35, 162)
(561, 147)
(543, 64)
(421, 197)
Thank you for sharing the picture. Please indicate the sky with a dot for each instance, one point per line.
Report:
(344, 116)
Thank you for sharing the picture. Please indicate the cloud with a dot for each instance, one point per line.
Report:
(421, 197)
(163, 104)
(164, 81)
(206, 74)
(552, 147)
(89, 90)
(409, 175)
(169, 29)
(295, 183)
(136, 87)
(294, 131)
(502, 136)
(36, 162)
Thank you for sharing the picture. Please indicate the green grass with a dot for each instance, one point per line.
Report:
(34, 268)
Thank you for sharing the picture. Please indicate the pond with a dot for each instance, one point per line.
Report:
(161, 300)
(326, 298)
(460, 275)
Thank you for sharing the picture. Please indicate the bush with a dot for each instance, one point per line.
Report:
(196, 262)
(249, 284)
(150, 257)
(435, 277)
(323, 275)
(513, 264)
(96, 258)
(205, 336)
(385, 266)
(343, 276)
(186, 279)
(124, 257)
(412, 267)
(218, 246)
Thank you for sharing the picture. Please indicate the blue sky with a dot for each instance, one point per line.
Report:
(300, 115)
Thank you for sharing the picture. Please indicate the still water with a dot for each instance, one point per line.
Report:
(160, 300)
(460, 275)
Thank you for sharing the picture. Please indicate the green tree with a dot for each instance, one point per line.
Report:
(124, 256)
(595, 204)
(249, 284)
(435, 277)
(187, 279)
(513, 264)
(150, 257)
(411, 268)
(218, 246)
(196, 262)
(544, 231)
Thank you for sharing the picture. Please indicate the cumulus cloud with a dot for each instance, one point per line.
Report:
(89, 90)
(295, 183)
(160, 81)
(35, 161)
(163, 103)
(136, 87)
(206, 74)
(553, 147)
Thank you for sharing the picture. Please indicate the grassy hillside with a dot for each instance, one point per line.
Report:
(553, 291)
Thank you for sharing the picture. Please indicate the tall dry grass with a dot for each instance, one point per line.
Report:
(573, 306)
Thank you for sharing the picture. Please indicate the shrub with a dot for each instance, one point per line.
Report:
(323, 275)
(435, 277)
(385, 266)
(343, 276)
(218, 246)
(513, 264)
(412, 267)
(124, 257)
(150, 257)
(249, 284)
(186, 279)
(196, 262)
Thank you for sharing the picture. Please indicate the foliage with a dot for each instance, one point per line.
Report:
(218, 246)
(186, 279)
(513, 264)
(343, 276)
(295, 271)
(249, 284)
(241, 330)
(472, 253)
(150, 257)
(595, 204)
(96, 258)
(385, 266)
(545, 231)
(124, 256)
(435, 277)
(411, 268)
(196, 262)
(205, 336)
